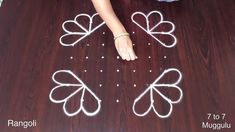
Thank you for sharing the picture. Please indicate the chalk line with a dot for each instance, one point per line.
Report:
(151, 32)
(154, 88)
(84, 33)
(81, 87)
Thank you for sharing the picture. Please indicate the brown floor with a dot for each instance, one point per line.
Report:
(30, 53)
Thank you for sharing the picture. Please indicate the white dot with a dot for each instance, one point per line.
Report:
(117, 101)
(103, 33)
(101, 70)
(133, 44)
(165, 57)
(118, 57)
(149, 57)
(118, 85)
(133, 32)
(134, 85)
(118, 70)
(88, 45)
(85, 70)
(71, 57)
(102, 57)
(149, 44)
(150, 70)
(100, 85)
(134, 70)
(87, 57)
(103, 44)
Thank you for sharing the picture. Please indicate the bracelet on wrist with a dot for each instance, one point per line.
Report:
(120, 35)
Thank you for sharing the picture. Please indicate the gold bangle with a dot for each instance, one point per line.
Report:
(120, 35)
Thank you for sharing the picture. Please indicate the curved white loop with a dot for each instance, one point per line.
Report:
(150, 31)
(84, 34)
(154, 88)
(168, 71)
(76, 23)
(71, 44)
(81, 87)
(166, 98)
(139, 98)
(166, 115)
(166, 32)
(65, 99)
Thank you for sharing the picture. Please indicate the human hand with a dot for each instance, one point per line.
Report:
(121, 37)
(125, 48)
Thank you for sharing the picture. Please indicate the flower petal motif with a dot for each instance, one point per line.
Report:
(81, 87)
(84, 33)
(154, 88)
(151, 32)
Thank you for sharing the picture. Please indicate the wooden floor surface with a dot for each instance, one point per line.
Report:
(30, 53)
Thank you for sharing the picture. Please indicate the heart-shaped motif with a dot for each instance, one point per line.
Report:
(84, 33)
(150, 30)
(81, 87)
(154, 88)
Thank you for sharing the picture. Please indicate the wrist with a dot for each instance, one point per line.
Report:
(119, 31)
(125, 34)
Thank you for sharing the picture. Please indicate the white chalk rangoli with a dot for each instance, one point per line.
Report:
(151, 31)
(154, 88)
(81, 88)
(84, 33)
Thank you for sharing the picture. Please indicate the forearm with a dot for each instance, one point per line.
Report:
(105, 10)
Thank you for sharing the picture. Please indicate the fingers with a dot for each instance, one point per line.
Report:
(132, 54)
(123, 53)
(127, 56)
(126, 53)
(125, 49)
